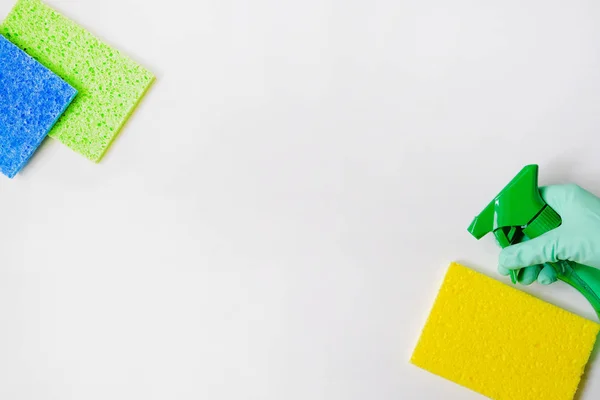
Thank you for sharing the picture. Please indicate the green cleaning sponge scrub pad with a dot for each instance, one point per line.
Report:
(109, 84)
(502, 342)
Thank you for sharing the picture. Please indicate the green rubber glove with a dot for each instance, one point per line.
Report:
(577, 239)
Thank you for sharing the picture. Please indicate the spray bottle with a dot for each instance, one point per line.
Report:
(518, 212)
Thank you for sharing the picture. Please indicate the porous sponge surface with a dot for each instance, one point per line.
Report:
(502, 342)
(32, 98)
(110, 85)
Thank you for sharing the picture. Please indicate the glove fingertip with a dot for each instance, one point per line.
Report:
(544, 280)
(508, 259)
(529, 274)
(503, 271)
(547, 276)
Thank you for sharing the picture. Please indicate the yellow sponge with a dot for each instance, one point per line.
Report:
(502, 342)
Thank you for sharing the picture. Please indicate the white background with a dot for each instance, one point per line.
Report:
(275, 220)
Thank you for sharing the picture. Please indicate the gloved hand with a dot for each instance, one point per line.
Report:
(576, 239)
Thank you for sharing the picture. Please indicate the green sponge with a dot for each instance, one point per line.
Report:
(110, 85)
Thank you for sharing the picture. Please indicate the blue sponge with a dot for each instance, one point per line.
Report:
(32, 98)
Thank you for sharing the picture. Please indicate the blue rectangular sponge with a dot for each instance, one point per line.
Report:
(32, 98)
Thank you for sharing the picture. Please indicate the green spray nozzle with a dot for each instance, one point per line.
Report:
(519, 212)
(516, 211)
(516, 205)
